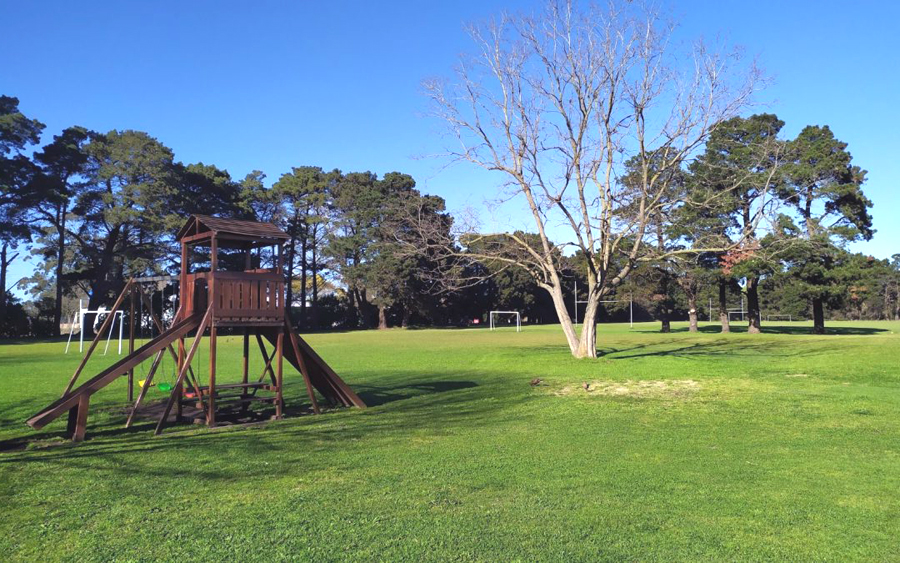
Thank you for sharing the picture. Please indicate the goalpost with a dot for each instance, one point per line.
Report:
(630, 302)
(740, 312)
(516, 313)
(790, 318)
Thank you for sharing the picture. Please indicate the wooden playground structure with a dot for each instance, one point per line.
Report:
(250, 301)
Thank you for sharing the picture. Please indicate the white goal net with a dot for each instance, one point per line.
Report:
(507, 315)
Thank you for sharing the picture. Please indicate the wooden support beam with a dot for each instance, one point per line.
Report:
(98, 336)
(145, 387)
(131, 345)
(80, 418)
(211, 410)
(61, 405)
(192, 378)
(183, 371)
(304, 371)
(245, 364)
(268, 367)
(279, 352)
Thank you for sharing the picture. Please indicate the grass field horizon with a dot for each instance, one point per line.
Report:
(684, 446)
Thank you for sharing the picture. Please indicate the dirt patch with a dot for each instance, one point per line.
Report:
(670, 388)
(797, 375)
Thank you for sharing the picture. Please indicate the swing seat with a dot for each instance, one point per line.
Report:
(143, 382)
(165, 387)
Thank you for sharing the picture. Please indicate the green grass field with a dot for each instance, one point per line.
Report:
(716, 447)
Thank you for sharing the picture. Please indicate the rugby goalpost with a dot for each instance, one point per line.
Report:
(630, 302)
(516, 313)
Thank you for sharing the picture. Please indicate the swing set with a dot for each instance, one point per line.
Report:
(249, 302)
(145, 325)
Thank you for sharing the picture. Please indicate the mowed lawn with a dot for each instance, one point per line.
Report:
(781, 446)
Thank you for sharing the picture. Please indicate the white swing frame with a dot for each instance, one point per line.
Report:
(118, 317)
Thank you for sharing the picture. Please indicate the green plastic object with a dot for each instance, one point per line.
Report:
(164, 386)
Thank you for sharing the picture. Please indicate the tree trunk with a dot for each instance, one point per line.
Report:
(580, 347)
(382, 318)
(723, 305)
(664, 306)
(887, 302)
(587, 343)
(818, 315)
(102, 282)
(315, 285)
(303, 266)
(665, 323)
(404, 319)
(363, 308)
(353, 309)
(692, 313)
(3, 265)
(289, 270)
(60, 257)
(754, 324)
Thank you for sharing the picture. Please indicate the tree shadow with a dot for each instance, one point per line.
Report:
(713, 349)
(777, 329)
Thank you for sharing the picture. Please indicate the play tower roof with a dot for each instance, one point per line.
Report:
(229, 232)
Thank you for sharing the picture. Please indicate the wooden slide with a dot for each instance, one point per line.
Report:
(311, 365)
(77, 399)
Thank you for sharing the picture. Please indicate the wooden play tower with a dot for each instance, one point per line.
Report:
(249, 302)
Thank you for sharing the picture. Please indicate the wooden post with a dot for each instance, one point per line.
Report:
(267, 369)
(212, 302)
(304, 370)
(131, 345)
(175, 397)
(211, 410)
(279, 351)
(245, 366)
(97, 337)
(182, 356)
(71, 423)
(144, 388)
(78, 418)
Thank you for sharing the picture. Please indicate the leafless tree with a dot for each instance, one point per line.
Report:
(557, 103)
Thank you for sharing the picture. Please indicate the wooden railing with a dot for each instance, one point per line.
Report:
(237, 297)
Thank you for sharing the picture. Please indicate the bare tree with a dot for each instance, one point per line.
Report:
(557, 103)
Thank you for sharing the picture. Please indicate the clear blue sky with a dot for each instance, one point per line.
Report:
(270, 85)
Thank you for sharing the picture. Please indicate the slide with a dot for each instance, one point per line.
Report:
(321, 376)
(107, 376)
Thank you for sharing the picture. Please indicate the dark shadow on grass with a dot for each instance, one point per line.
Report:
(285, 447)
(777, 329)
(719, 348)
(110, 436)
(374, 396)
(681, 348)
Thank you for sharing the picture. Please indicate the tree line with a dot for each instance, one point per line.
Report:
(97, 208)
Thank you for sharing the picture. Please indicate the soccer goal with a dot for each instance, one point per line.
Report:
(516, 313)
(737, 314)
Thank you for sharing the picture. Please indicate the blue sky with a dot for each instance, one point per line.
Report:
(270, 85)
